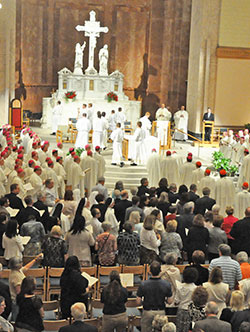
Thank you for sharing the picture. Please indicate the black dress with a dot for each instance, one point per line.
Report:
(73, 289)
(29, 317)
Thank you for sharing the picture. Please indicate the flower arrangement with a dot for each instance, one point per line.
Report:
(70, 95)
(112, 96)
(220, 162)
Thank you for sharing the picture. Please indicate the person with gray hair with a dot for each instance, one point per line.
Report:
(169, 327)
(78, 312)
(212, 323)
(100, 187)
(50, 193)
(230, 268)
(242, 258)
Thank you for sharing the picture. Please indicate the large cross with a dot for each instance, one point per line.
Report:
(92, 30)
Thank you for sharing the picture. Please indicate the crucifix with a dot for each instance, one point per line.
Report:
(92, 30)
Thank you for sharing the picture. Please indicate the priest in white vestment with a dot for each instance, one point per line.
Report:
(120, 117)
(56, 116)
(36, 181)
(3, 179)
(61, 152)
(117, 137)
(61, 175)
(207, 181)
(19, 179)
(181, 123)
(101, 163)
(170, 169)
(78, 176)
(154, 168)
(83, 126)
(224, 192)
(89, 162)
(245, 170)
(197, 174)
(146, 123)
(242, 201)
(68, 163)
(98, 128)
(163, 114)
(186, 172)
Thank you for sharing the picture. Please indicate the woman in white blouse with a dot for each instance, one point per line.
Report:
(12, 242)
(150, 241)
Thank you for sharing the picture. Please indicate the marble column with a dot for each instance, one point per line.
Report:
(202, 65)
(7, 57)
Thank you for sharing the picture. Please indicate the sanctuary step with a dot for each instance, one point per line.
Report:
(129, 175)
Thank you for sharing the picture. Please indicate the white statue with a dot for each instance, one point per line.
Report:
(103, 60)
(92, 29)
(79, 58)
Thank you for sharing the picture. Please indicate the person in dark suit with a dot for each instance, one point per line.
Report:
(23, 214)
(5, 292)
(208, 116)
(172, 194)
(192, 193)
(204, 203)
(78, 312)
(212, 323)
(15, 201)
(120, 208)
(241, 233)
(102, 205)
(143, 189)
(39, 205)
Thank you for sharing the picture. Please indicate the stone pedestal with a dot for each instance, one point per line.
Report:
(7, 57)
(202, 60)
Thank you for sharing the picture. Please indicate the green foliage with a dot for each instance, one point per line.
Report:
(220, 162)
(79, 151)
(247, 126)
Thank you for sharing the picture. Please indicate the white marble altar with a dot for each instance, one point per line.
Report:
(91, 87)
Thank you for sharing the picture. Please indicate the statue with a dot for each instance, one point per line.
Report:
(79, 58)
(103, 61)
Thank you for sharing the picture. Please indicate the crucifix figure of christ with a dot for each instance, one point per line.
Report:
(92, 30)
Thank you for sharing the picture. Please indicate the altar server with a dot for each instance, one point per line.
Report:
(112, 121)
(170, 169)
(242, 201)
(146, 123)
(181, 122)
(120, 117)
(139, 137)
(56, 116)
(83, 127)
(224, 192)
(98, 127)
(117, 137)
(163, 114)
(154, 168)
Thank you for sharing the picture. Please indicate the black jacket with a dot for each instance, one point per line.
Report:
(23, 215)
(15, 201)
(120, 210)
(202, 204)
(78, 326)
(241, 233)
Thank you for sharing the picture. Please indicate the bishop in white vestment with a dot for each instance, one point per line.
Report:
(242, 201)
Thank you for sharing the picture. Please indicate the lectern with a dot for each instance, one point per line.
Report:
(210, 126)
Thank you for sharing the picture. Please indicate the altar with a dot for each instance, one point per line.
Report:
(92, 86)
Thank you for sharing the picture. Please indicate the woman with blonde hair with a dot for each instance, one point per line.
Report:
(236, 304)
(150, 242)
(171, 241)
(135, 218)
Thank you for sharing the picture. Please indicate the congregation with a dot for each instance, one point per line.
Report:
(180, 214)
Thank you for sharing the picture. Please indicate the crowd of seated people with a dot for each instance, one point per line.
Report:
(162, 227)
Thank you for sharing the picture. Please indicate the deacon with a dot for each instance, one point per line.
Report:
(154, 168)
(181, 122)
(56, 115)
(98, 128)
(146, 123)
(83, 126)
(163, 114)
(117, 137)
(139, 137)
(208, 116)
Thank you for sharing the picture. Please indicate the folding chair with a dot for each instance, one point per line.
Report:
(96, 307)
(139, 273)
(103, 276)
(54, 325)
(5, 276)
(53, 281)
(132, 307)
(40, 276)
(97, 322)
(133, 321)
(51, 310)
(92, 271)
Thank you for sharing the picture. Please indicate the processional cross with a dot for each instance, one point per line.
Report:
(92, 30)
